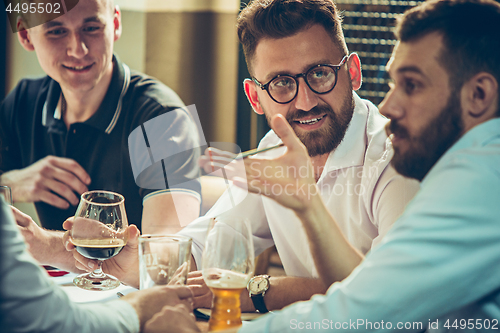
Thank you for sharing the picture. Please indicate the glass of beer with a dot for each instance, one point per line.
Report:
(99, 232)
(227, 266)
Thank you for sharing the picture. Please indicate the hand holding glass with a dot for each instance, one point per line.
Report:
(228, 265)
(99, 232)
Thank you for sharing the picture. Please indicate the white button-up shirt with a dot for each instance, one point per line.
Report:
(362, 191)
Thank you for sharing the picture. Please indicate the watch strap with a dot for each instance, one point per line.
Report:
(258, 303)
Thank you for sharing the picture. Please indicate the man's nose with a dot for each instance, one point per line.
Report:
(77, 47)
(306, 99)
(391, 106)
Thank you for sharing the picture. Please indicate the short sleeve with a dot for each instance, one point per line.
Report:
(164, 152)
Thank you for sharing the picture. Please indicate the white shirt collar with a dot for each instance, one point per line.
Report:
(351, 151)
(366, 121)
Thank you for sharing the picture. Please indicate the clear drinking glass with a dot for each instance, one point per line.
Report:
(6, 192)
(99, 232)
(164, 259)
(227, 266)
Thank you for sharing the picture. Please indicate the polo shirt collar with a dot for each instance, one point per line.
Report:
(51, 112)
(109, 111)
(351, 151)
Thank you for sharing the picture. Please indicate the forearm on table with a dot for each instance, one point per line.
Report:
(285, 290)
(54, 253)
(5, 178)
(12, 179)
(334, 256)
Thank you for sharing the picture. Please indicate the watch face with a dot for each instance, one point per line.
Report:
(258, 285)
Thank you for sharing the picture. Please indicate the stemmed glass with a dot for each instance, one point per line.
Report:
(227, 266)
(99, 232)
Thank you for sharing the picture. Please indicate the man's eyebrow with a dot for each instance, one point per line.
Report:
(405, 69)
(272, 75)
(93, 19)
(306, 68)
(410, 69)
(51, 24)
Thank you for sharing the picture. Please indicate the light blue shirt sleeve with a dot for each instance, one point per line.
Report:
(32, 303)
(440, 262)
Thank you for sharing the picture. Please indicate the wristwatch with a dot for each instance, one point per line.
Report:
(257, 287)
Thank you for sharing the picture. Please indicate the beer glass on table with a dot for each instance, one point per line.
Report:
(99, 232)
(227, 266)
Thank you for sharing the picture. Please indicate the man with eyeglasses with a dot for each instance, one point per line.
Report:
(301, 69)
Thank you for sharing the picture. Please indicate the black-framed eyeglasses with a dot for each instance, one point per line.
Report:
(321, 79)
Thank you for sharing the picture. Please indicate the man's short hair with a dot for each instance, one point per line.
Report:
(284, 18)
(33, 19)
(470, 31)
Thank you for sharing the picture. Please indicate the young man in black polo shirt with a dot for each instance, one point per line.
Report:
(69, 132)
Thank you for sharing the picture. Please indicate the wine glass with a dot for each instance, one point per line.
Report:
(227, 266)
(99, 232)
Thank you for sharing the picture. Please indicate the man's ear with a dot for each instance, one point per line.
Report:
(251, 92)
(23, 35)
(354, 66)
(479, 96)
(117, 22)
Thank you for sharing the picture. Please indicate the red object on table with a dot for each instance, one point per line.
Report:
(54, 271)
